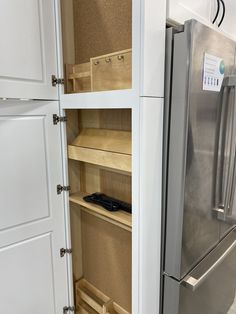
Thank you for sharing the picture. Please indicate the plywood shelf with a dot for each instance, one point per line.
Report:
(90, 300)
(107, 148)
(119, 218)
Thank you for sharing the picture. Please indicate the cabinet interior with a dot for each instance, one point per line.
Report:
(99, 151)
(97, 45)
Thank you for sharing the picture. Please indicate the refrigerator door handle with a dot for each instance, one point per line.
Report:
(233, 185)
(193, 283)
(225, 173)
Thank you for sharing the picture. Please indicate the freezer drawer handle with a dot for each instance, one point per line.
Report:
(193, 283)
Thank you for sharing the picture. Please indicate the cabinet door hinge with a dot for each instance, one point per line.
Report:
(61, 188)
(57, 119)
(56, 81)
(65, 251)
(67, 309)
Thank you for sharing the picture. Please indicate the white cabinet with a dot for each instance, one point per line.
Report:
(32, 228)
(27, 49)
(228, 26)
(113, 67)
(178, 11)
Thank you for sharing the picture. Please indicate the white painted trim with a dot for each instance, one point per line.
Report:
(150, 197)
(106, 99)
(135, 205)
(67, 212)
(59, 44)
(125, 98)
(153, 47)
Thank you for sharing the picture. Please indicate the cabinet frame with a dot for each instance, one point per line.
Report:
(146, 101)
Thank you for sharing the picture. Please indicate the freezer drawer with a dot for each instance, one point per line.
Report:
(210, 288)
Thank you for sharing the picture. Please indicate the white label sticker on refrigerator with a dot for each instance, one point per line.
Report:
(213, 72)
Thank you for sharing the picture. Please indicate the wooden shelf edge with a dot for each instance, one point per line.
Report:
(103, 158)
(115, 141)
(119, 218)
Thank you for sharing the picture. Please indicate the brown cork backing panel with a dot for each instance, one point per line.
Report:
(101, 27)
(67, 21)
(107, 258)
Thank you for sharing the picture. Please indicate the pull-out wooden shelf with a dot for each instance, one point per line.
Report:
(90, 300)
(107, 148)
(107, 72)
(119, 218)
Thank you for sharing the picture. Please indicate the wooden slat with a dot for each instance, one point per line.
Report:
(84, 308)
(100, 157)
(114, 308)
(120, 218)
(90, 295)
(92, 300)
(78, 77)
(103, 139)
(89, 300)
(73, 76)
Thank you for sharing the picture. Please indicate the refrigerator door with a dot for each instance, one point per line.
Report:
(210, 288)
(226, 163)
(191, 228)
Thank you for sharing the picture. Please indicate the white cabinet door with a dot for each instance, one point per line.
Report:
(27, 49)
(179, 11)
(32, 227)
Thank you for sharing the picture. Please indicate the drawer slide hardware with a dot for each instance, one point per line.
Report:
(57, 81)
(61, 188)
(57, 119)
(65, 251)
(67, 309)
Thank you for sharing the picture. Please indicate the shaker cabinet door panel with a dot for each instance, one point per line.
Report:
(28, 49)
(26, 171)
(32, 225)
(32, 275)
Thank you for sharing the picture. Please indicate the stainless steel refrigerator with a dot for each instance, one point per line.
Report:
(199, 238)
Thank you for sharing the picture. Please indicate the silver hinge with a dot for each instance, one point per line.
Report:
(65, 251)
(56, 81)
(61, 188)
(67, 309)
(57, 119)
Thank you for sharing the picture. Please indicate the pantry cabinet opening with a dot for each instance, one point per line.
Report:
(100, 157)
(97, 45)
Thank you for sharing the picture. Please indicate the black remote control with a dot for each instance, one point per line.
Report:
(108, 202)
